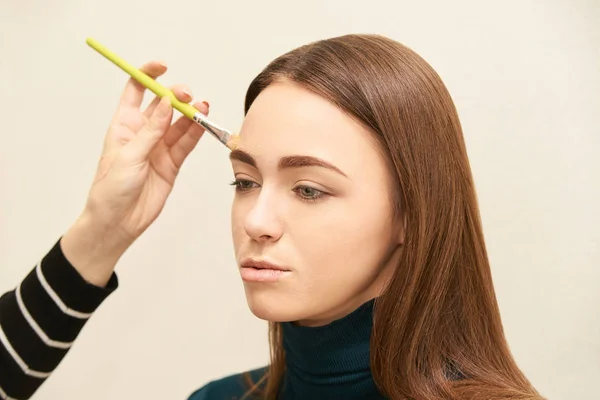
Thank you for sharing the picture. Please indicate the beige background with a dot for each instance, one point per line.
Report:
(526, 80)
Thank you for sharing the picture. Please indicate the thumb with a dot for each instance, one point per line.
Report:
(153, 130)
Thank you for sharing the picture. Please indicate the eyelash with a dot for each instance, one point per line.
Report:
(237, 183)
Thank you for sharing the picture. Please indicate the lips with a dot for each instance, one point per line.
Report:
(256, 264)
(262, 271)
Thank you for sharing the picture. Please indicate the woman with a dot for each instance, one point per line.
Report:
(356, 230)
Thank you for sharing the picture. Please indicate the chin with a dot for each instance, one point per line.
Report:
(271, 305)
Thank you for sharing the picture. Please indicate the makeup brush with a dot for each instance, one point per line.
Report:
(223, 135)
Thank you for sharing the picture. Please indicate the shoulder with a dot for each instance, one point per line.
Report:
(231, 387)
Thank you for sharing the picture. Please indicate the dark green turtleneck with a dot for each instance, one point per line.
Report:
(326, 362)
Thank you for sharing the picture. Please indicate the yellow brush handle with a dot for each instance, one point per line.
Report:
(145, 80)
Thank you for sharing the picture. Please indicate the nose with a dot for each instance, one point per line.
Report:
(262, 223)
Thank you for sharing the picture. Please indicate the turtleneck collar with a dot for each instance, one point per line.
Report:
(330, 361)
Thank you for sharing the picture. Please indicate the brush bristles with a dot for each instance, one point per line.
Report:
(233, 142)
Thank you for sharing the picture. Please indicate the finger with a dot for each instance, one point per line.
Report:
(177, 130)
(182, 125)
(133, 94)
(184, 146)
(181, 92)
(152, 132)
(187, 142)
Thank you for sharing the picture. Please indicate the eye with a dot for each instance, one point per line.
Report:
(308, 193)
(242, 185)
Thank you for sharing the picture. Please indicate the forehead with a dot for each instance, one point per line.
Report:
(287, 119)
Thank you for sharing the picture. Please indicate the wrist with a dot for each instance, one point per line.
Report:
(94, 248)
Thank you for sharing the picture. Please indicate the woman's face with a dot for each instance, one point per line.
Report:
(313, 227)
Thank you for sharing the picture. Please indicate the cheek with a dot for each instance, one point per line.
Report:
(238, 213)
(348, 240)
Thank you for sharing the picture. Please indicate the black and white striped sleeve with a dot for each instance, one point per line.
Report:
(39, 321)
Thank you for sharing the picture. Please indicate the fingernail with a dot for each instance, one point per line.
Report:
(163, 64)
(206, 104)
(188, 93)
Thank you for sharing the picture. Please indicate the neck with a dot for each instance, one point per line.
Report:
(335, 315)
(330, 361)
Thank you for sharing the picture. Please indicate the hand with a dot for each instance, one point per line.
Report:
(142, 155)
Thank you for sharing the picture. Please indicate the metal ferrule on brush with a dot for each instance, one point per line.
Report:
(222, 134)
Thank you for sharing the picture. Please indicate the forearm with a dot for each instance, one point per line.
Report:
(40, 319)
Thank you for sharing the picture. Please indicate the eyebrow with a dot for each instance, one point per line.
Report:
(295, 161)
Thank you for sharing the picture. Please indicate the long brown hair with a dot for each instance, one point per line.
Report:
(439, 312)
